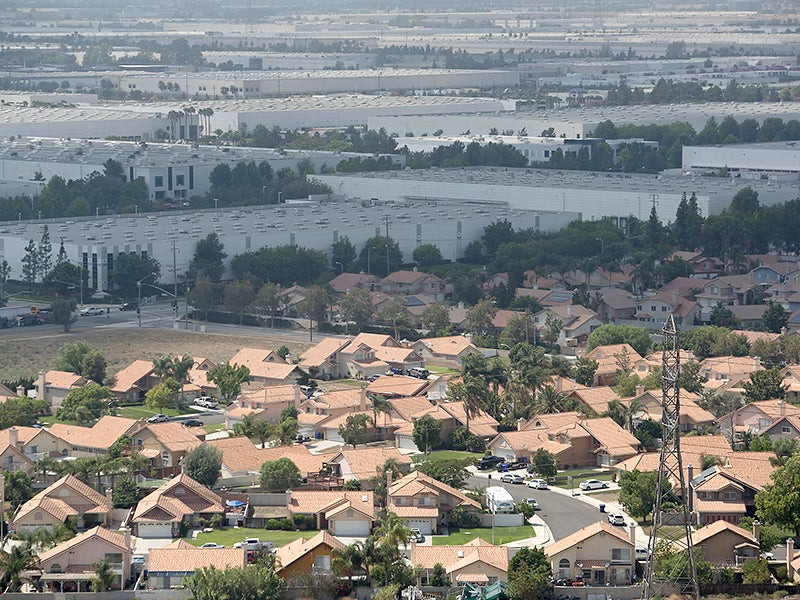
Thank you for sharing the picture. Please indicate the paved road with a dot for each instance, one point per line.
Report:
(564, 515)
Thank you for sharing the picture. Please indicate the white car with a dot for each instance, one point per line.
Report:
(92, 310)
(538, 484)
(206, 402)
(212, 545)
(512, 478)
(417, 535)
(593, 484)
(616, 519)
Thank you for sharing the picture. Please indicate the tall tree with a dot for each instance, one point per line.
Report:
(355, 429)
(209, 258)
(30, 264)
(343, 253)
(162, 395)
(229, 378)
(63, 313)
(254, 582)
(779, 503)
(372, 258)
(45, 253)
(270, 299)
(767, 384)
(472, 392)
(237, 297)
(356, 306)
(85, 404)
(480, 318)
(774, 318)
(203, 295)
(279, 475)
(427, 433)
(256, 428)
(436, 318)
(314, 307)
(203, 464)
(129, 269)
(529, 575)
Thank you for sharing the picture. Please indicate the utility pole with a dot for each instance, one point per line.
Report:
(386, 221)
(672, 519)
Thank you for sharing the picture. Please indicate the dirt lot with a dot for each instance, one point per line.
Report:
(28, 355)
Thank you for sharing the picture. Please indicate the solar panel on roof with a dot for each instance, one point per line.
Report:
(558, 296)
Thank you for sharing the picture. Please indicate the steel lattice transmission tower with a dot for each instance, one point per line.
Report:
(671, 518)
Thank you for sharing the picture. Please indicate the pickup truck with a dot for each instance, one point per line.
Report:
(255, 544)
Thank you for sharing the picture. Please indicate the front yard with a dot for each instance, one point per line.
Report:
(502, 535)
(438, 455)
(228, 537)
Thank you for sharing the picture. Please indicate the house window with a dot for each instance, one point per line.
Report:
(37, 516)
(180, 491)
(764, 422)
(652, 309)
(323, 562)
(664, 309)
(349, 513)
(730, 495)
(785, 429)
(115, 558)
(158, 181)
(180, 180)
(165, 458)
(638, 307)
(55, 568)
(564, 569)
(621, 555)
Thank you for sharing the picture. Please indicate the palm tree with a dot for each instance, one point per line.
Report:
(549, 401)
(104, 576)
(392, 531)
(251, 427)
(47, 465)
(471, 391)
(15, 564)
(348, 561)
(379, 405)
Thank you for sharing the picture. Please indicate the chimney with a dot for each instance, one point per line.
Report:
(781, 408)
(674, 297)
(789, 558)
(690, 488)
(13, 438)
(757, 531)
(109, 498)
(128, 538)
(21, 391)
(388, 482)
(288, 498)
(40, 387)
(569, 310)
(362, 399)
(639, 390)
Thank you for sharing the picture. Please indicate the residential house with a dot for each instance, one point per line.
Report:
(54, 386)
(382, 428)
(610, 359)
(425, 503)
(786, 294)
(791, 378)
(363, 463)
(723, 368)
(477, 561)
(341, 513)
(13, 459)
(575, 442)
(198, 379)
(160, 513)
(397, 386)
(266, 366)
(94, 440)
(755, 417)
(593, 401)
(165, 444)
(266, 403)
(344, 282)
(334, 404)
(685, 287)
(404, 283)
(35, 443)
(307, 556)
(577, 322)
(728, 291)
(598, 554)
(770, 274)
(370, 354)
(727, 545)
(66, 498)
(618, 305)
(171, 565)
(449, 349)
(703, 267)
(726, 491)
(134, 381)
(785, 428)
(691, 415)
(653, 311)
(70, 566)
(325, 360)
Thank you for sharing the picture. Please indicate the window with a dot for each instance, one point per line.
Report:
(652, 309)
(638, 307)
(564, 568)
(37, 516)
(114, 558)
(180, 180)
(165, 458)
(55, 568)
(664, 308)
(180, 491)
(730, 495)
(158, 181)
(620, 554)
(785, 429)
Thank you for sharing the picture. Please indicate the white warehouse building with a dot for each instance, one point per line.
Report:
(593, 195)
(171, 171)
(95, 243)
(772, 159)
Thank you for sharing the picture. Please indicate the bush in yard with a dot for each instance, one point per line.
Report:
(461, 517)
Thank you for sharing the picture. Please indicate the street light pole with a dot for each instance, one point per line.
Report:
(139, 302)
(491, 509)
(341, 267)
(602, 246)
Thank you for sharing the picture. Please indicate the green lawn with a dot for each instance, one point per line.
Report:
(214, 428)
(228, 537)
(502, 535)
(437, 455)
(576, 480)
(441, 370)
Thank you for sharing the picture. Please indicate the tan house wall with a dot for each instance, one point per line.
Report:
(305, 563)
(719, 549)
(480, 568)
(596, 548)
(81, 558)
(150, 442)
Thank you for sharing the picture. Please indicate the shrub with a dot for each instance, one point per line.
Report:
(461, 517)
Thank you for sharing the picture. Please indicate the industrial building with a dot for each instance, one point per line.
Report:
(593, 195)
(581, 123)
(168, 236)
(171, 171)
(778, 161)
(142, 121)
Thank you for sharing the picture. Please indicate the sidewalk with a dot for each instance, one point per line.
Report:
(543, 535)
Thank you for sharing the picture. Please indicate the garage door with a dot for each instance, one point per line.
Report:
(155, 530)
(504, 453)
(424, 525)
(352, 528)
(406, 442)
(332, 435)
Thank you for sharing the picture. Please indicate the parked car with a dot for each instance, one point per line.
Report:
(372, 378)
(538, 484)
(616, 519)
(92, 310)
(212, 545)
(418, 536)
(137, 559)
(512, 478)
(419, 372)
(193, 423)
(158, 419)
(254, 544)
(489, 462)
(532, 502)
(129, 306)
(593, 484)
(642, 553)
(205, 402)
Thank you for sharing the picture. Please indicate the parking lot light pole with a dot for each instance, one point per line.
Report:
(139, 303)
